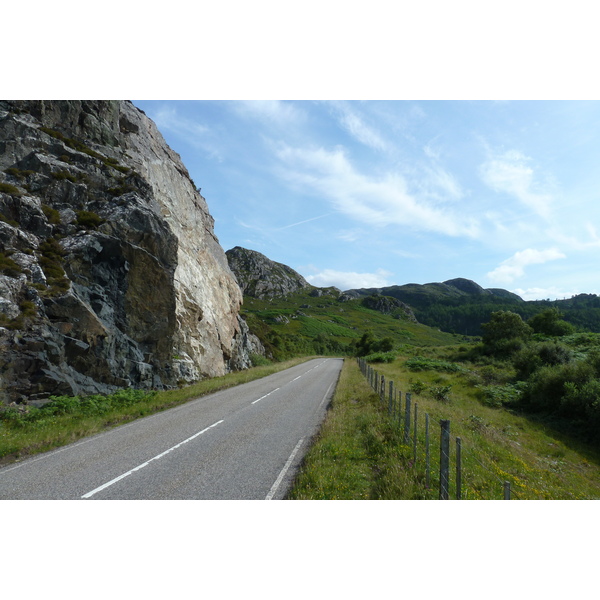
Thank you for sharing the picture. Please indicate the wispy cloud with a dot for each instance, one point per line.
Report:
(514, 267)
(375, 200)
(356, 126)
(511, 174)
(302, 222)
(551, 293)
(198, 135)
(349, 280)
(271, 112)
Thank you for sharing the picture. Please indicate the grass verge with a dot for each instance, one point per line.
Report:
(67, 420)
(358, 454)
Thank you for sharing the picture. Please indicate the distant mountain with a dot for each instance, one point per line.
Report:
(418, 295)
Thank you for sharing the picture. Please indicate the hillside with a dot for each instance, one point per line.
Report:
(461, 305)
(324, 321)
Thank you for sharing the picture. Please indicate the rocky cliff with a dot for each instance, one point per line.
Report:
(110, 272)
(260, 277)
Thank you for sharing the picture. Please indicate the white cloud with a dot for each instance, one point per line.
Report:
(194, 133)
(379, 201)
(511, 174)
(551, 293)
(514, 267)
(352, 122)
(349, 280)
(271, 112)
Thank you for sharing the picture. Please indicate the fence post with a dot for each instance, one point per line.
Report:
(427, 472)
(415, 436)
(407, 419)
(507, 490)
(458, 469)
(444, 459)
(391, 398)
(399, 408)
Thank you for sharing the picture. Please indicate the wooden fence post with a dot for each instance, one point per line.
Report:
(444, 459)
(391, 398)
(427, 470)
(507, 490)
(458, 469)
(415, 436)
(407, 419)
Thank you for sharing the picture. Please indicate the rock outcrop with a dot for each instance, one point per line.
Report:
(110, 271)
(389, 306)
(260, 277)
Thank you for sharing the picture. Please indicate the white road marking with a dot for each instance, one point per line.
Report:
(113, 481)
(326, 394)
(298, 377)
(284, 471)
(262, 397)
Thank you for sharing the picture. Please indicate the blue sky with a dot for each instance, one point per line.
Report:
(376, 193)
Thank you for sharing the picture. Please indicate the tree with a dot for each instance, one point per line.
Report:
(550, 322)
(505, 333)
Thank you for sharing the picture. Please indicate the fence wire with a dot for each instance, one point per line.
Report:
(432, 448)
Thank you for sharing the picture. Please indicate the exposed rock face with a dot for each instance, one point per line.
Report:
(110, 272)
(261, 277)
(388, 305)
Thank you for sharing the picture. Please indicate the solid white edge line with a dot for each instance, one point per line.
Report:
(113, 481)
(284, 471)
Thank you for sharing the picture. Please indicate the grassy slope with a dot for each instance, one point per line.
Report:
(343, 322)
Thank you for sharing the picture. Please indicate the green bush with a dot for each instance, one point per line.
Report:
(52, 214)
(505, 333)
(547, 387)
(258, 360)
(532, 357)
(8, 188)
(381, 357)
(89, 220)
(419, 363)
(8, 266)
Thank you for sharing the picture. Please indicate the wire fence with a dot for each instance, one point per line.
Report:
(447, 462)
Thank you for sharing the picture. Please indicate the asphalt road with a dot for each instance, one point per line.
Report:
(243, 443)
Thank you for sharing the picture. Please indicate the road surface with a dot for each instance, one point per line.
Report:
(242, 443)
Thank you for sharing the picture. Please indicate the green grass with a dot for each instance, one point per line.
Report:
(341, 323)
(360, 452)
(68, 419)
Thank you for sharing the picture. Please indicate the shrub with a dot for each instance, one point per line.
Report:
(441, 393)
(52, 214)
(5, 219)
(258, 360)
(419, 363)
(531, 358)
(547, 386)
(8, 266)
(89, 220)
(381, 357)
(8, 188)
(505, 333)
(550, 322)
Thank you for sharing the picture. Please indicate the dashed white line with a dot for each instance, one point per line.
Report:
(263, 397)
(113, 481)
(279, 479)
